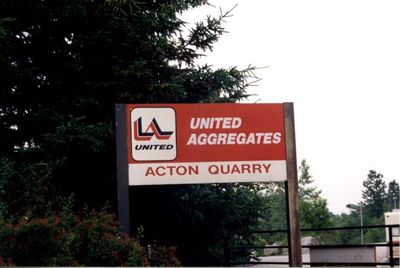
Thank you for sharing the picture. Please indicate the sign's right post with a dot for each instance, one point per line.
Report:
(292, 193)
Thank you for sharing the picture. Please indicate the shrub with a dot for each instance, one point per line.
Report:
(102, 242)
(91, 238)
(162, 256)
(34, 242)
(7, 262)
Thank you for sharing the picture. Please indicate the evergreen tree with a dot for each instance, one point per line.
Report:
(393, 195)
(314, 212)
(374, 194)
(370, 211)
(313, 208)
(63, 66)
(307, 192)
(275, 217)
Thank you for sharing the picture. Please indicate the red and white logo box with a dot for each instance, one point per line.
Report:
(153, 133)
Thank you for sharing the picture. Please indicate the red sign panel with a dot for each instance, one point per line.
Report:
(205, 143)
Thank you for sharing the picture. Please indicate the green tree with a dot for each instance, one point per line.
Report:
(274, 217)
(306, 191)
(201, 220)
(393, 195)
(347, 237)
(313, 208)
(63, 66)
(374, 194)
(369, 211)
(314, 212)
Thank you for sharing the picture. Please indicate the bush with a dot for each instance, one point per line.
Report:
(26, 188)
(91, 238)
(162, 256)
(31, 243)
(102, 242)
(4, 263)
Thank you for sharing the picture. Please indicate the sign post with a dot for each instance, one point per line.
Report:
(159, 144)
(122, 167)
(292, 200)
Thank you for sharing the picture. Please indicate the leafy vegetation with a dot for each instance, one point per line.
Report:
(376, 200)
(314, 212)
(75, 239)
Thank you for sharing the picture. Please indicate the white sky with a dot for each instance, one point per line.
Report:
(339, 62)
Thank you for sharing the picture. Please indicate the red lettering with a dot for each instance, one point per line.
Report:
(172, 170)
(181, 170)
(246, 168)
(194, 170)
(235, 169)
(158, 169)
(149, 171)
(256, 168)
(225, 170)
(213, 169)
(267, 166)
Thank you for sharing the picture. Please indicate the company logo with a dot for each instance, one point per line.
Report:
(152, 130)
(153, 134)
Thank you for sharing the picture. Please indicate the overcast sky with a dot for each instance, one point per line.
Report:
(339, 62)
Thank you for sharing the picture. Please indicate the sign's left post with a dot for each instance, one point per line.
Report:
(121, 134)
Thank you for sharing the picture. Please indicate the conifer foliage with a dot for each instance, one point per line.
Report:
(63, 66)
(65, 63)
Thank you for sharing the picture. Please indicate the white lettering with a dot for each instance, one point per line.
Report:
(192, 140)
(277, 138)
(236, 122)
(234, 138)
(215, 122)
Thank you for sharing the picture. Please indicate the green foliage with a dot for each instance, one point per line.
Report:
(89, 238)
(63, 66)
(100, 241)
(276, 202)
(34, 242)
(376, 235)
(393, 195)
(163, 256)
(306, 191)
(352, 219)
(275, 214)
(314, 212)
(25, 188)
(347, 237)
(370, 211)
(374, 194)
(201, 225)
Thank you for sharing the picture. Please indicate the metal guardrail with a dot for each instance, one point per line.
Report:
(390, 244)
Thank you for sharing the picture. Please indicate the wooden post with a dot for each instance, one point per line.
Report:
(295, 257)
(122, 167)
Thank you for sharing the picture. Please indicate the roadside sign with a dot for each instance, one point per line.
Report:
(205, 143)
(208, 143)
